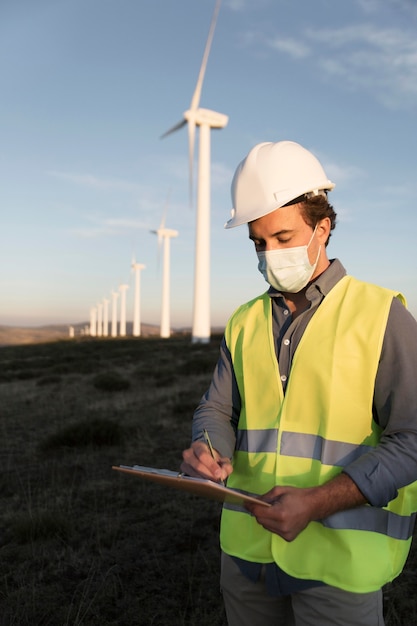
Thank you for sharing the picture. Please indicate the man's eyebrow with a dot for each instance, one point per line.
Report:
(284, 231)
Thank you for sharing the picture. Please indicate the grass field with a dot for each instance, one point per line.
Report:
(81, 544)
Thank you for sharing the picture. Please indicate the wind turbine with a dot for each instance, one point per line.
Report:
(205, 119)
(99, 319)
(123, 289)
(164, 237)
(93, 322)
(136, 267)
(105, 317)
(114, 296)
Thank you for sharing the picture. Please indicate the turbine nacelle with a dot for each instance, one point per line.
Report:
(165, 232)
(207, 117)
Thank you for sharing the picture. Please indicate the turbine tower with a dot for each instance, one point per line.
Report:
(114, 296)
(99, 319)
(93, 322)
(123, 289)
(105, 317)
(164, 237)
(137, 267)
(206, 120)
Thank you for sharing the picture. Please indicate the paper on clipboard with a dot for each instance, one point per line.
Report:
(198, 486)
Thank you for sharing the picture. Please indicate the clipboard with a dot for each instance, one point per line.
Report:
(197, 486)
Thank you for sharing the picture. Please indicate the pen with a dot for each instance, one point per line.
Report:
(208, 442)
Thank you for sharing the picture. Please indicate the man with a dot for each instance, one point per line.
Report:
(313, 406)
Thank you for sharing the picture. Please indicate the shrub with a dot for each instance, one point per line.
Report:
(110, 381)
(27, 527)
(186, 403)
(48, 380)
(198, 364)
(96, 432)
(166, 380)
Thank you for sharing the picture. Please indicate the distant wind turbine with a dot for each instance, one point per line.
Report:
(136, 268)
(123, 289)
(206, 120)
(93, 322)
(114, 296)
(105, 317)
(164, 237)
(99, 319)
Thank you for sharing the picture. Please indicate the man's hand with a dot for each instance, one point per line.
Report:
(289, 514)
(197, 461)
(294, 508)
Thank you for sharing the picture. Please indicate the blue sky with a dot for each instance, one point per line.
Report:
(88, 87)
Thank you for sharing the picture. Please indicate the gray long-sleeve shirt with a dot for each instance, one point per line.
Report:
(393, 463)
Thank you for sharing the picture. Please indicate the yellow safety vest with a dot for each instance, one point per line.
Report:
(323, 424)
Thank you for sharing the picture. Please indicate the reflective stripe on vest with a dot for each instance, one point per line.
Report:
(323, 424)
(301, 445)
(371, 519)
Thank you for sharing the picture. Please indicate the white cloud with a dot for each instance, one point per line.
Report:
(242, 5)
(368, 6)
(88, 180)
(364, 56)
(237, 5)
(381, 61)
(101, 226)
(294, 47)
(400, 191)
(342, 174)
(374, 6)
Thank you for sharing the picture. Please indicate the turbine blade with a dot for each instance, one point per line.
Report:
(195, 101)
(174, 128)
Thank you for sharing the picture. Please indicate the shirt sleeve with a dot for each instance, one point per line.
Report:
(393, 463)
(219, 408)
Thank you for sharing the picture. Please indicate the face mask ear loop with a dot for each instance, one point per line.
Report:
(311, 238)
(318, 253)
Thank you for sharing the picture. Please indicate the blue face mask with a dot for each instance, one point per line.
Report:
(287, 269)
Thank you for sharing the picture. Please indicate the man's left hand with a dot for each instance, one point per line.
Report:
(293, 508)
(289, 514)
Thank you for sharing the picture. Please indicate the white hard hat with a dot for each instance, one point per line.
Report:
(272, 175)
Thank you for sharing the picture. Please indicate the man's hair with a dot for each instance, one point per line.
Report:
(317, 208)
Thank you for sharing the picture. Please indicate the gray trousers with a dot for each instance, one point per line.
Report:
(248, 604)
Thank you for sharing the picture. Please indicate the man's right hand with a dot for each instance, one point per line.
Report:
(197, 461)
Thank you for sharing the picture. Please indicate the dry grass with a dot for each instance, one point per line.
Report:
(83, 545)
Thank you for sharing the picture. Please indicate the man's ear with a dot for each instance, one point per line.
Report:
(323, 230)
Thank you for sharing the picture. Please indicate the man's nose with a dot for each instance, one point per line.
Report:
(271, 245)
